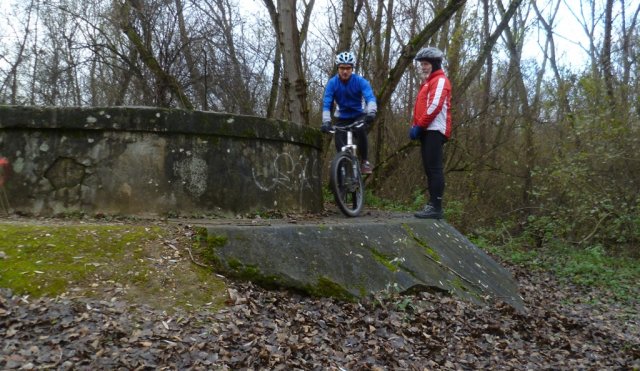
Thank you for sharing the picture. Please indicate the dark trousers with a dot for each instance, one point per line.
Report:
(359, 138)
(431, 143)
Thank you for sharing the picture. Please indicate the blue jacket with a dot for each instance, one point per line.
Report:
(353, 98)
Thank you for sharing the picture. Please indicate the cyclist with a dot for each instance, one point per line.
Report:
(432, 126)
(353, 98)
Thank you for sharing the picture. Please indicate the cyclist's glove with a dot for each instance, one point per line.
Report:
(415, 132)
(326, 127)
(368, 119)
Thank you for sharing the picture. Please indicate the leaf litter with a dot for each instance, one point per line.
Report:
(562, 328)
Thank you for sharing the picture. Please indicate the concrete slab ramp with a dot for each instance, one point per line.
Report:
(357, 257)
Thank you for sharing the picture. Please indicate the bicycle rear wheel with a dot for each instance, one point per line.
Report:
(347, 184)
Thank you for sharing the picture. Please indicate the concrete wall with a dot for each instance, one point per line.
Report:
(151, 161)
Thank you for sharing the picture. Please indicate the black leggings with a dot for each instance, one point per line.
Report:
(359, 138)
(431, 142)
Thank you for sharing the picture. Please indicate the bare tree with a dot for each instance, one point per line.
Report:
(290, 42)
(550, 55)
(486, 48)
(12, 77)
(514, 36)
(127, 10)
(605, 57)
(232, 81)
(412, 46)
(379, 50)
(488, 77)
(350, 10)
(187, 49)
(277, 63)
(629, 57)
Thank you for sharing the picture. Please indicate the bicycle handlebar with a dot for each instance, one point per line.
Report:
(354, 125)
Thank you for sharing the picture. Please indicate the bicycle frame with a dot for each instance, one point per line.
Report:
(350, 146)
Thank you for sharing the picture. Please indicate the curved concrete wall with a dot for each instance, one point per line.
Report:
(153, 161)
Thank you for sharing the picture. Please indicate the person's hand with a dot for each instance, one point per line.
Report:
(326, 127)
(414, 132)
(369, 117)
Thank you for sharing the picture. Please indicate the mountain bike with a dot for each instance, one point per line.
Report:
(345, 177)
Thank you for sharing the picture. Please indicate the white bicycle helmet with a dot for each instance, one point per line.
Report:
(429, 53)
(346, 58)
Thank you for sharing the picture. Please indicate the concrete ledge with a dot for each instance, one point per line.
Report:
(153, 161)
(156, 120)
(352, 258)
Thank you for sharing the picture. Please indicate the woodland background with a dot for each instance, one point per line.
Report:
(540, 148)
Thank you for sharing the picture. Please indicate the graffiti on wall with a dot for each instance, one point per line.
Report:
(193, 172)
(286, 172)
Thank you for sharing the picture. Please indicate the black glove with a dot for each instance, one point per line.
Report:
(326, 127)
(369, 117)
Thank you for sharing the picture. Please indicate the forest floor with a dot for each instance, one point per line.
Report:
(247, 327)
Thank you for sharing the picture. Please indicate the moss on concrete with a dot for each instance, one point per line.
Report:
(248, 272)
(327, 288)
(385, 260)
(209, 251)
(427, 249)
(251, 273)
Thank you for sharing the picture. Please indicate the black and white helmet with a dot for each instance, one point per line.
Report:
(429, 53)
(345, 58)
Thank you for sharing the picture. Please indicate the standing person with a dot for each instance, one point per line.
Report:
(432, 126)
(353, 98)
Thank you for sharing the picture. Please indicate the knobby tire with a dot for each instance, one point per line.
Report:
(347, 184)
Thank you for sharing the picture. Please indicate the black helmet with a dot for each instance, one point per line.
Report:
(429, 54)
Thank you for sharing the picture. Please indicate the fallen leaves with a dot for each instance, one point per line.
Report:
(561, 329)
(279, 330)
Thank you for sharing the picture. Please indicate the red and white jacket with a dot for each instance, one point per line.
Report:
(432, 110)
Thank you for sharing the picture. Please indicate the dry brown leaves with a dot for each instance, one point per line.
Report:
(280, 330)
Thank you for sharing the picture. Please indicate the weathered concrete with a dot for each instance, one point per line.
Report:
(153, 161)
(360, 256)
(150, 161)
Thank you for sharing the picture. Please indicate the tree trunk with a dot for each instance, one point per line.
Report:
(194, 71)
(528, 116)
(294, 79)
(486, 50)
(627, 61)
(350, 10)
(381, 54)
(275, 83)
(605, 58)
(412, 47)
(150, 61)
(564, 108)
(486, 92)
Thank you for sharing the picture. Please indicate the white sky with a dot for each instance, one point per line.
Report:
(569, 33)
(568, 38)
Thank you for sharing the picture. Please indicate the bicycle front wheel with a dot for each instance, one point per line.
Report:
(347, 184)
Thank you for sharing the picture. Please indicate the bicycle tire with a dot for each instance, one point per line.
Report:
(347, 184)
